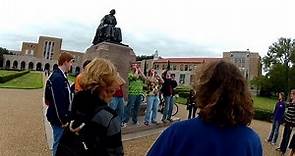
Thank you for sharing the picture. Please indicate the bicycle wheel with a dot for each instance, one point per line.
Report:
(175, 109)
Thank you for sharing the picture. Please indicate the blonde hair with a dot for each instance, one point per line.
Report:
(98, 74)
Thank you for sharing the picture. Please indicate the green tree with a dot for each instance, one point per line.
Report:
(278, 61)
(2, 51)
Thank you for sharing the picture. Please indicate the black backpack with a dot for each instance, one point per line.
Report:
(74, 144)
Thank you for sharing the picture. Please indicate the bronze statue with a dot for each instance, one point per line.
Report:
(106, 31)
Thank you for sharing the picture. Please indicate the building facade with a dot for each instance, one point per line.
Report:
(41, 56)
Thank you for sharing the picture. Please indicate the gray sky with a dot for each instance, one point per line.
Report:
(187, 28)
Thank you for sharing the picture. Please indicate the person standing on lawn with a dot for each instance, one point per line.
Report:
(278, 116)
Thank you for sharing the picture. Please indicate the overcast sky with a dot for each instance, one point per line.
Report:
(187, 28)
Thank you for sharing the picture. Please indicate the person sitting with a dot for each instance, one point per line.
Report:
(226, 110)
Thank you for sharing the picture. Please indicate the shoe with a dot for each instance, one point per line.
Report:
(155, 122)
(278, 149)
(170, 120)
(146, 123)
(123, 125)
(266, 140)
(273, 143)
(136, 123)
(164, 121)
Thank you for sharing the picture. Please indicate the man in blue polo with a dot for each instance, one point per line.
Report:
(58, 98)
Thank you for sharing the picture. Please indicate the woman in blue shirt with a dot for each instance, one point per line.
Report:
(226, 110)
(278, 116)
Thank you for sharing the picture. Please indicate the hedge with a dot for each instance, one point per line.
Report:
(263, 115)
(12, 76)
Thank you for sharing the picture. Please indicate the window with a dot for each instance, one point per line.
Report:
(186, 67)
(174, 67)
(156, 66)
(182, 79)
(190, 67)
(181, 67)
(32, 52)
(163, 66)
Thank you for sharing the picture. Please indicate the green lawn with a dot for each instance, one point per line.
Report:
(31, 80)
(6, 72)
(261, 103)
(71, 79)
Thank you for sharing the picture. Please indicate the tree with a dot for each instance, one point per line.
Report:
(279, 53)
(3, 51)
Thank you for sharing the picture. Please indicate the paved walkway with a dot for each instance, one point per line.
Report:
(22, 127)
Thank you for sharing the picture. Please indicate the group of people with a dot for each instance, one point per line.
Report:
(87, 123)
(284, 113)
(150, 86)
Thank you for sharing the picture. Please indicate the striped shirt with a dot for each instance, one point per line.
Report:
(290, 113)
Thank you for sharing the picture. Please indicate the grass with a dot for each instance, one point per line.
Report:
(261, 103)
(71, 78)
(31, 80)
(6, 72)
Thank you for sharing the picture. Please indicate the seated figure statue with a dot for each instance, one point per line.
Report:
(107, 31)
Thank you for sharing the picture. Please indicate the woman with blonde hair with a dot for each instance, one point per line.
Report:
(221, 128)
(96, 125)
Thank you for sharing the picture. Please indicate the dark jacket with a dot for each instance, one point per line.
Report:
(168, 87)
(102, 130)
(58, 98)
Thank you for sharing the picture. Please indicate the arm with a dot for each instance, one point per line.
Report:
(60, 99)
(113, 140)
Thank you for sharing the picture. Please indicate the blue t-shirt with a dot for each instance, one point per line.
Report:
(196, 138)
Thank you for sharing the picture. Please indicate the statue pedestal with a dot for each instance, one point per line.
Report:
(121, 56)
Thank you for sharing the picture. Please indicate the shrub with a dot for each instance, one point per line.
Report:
(263, 115)
(12, 76)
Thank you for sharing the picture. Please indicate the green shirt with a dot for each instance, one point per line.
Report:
(135, 84)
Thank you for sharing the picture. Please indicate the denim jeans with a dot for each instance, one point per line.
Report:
(286, 137)
(57, 133)
(152, 108)
(132, 108)
(117, 104)
(274, 132)
(168, 108)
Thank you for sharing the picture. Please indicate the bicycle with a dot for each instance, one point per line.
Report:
(162, 104)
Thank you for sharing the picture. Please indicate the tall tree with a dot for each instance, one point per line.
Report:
(2, 51)
(281, 52)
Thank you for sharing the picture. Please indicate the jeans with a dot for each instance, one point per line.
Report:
(152, 108)
(192, 112)
(132, 108)
(57, 133)
(274, 132)
(286, 137)
(168, 108)
(117, 104)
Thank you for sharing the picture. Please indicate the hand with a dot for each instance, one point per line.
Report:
(65, 125)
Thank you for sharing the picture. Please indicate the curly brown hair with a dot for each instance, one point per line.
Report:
(223, 95)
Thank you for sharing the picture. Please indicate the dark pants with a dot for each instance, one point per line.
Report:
(286, 137)
(192, 112)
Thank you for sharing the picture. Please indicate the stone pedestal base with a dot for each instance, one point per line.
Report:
(121, 56)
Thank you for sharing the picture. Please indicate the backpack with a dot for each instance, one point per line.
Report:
(74, 144)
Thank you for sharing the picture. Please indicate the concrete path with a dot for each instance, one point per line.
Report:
(22, 127)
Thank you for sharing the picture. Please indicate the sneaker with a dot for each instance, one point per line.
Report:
(273, 143)
(136, 123)
(266, 140)
(146, 123)
(278, 149)
(155, 122)
(123, 125)
(170, 120)
(164, 120)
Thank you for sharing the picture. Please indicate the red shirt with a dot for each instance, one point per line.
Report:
(119, 92)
